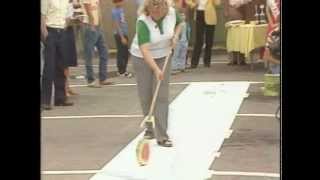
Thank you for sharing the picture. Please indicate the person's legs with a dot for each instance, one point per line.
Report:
(187, 56)
(41, 60)
(49, 68)
(242, 59)
(122, 55)
(103, 56)
(183, 56)
(200, 25)
(81, 40)
(175, 56)
(233, 58)
(119, 53)
(60, 78)
(70, 56)
(209, 31)
(66, 74)
(125, 52)
(68, 90)
(162, 104)
(144, 77)
(275, 68)
(90, 38)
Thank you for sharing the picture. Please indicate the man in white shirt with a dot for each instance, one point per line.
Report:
(94, 38)
(53, 21)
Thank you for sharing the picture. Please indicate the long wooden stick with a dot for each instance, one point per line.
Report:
(143, 144)
(156, 92)
(155, 95)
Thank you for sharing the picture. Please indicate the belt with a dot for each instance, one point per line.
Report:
(58, 30)
(89, 25)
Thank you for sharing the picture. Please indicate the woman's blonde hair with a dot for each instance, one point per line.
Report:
(165, 4)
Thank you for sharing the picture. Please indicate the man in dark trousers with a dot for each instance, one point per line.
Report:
(53, 21)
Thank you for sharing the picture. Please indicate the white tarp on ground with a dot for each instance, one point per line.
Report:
(198, 121)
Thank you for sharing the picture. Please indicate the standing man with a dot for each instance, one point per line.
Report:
(93, 37)
(53, 21)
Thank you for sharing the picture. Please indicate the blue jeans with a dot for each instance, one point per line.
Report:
(275, 68)
(94, 38)
(179, 56)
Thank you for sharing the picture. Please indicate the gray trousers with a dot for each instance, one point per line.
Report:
(146, 82)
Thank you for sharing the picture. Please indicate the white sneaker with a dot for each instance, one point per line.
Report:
(125, 74)
(94, 84)
(260, 60)
(174, 72)
(128, 75)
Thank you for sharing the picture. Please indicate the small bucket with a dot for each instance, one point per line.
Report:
(271, 85)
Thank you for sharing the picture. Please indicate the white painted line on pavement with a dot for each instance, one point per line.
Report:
(240, 173)
(93, 116)
(174, 83)
(118, 174)
(210, 172)
(70, 172)
(228, 133)
(78, 85)
(114, 65)
(256, 115)
(83, 85)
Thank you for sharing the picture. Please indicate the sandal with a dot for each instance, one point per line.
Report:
(165, 143)
(149, 135)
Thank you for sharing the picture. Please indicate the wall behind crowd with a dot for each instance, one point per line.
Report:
(130, 8)
(106, 6)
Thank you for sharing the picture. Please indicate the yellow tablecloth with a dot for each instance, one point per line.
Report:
(246, 37)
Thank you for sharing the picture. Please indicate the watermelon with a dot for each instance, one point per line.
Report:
(143, 152)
